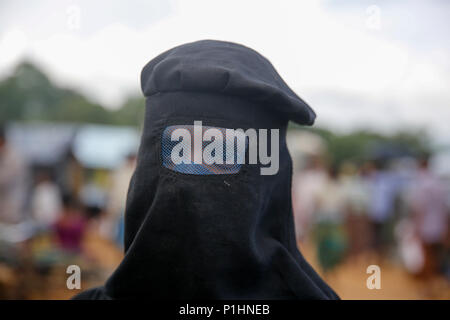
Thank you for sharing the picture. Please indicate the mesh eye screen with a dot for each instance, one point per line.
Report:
(169, 142)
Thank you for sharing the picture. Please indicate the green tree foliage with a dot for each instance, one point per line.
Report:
(28, 95)
(131, 112)
(361, 146)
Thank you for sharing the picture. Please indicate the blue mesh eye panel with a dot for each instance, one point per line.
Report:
(167, 146)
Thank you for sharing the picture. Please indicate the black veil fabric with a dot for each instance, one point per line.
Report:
(222, 236)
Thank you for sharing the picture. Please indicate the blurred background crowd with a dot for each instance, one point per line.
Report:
(384, 202)
(371, 180)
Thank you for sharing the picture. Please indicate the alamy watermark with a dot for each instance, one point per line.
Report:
(374, 280)
(373, 21)
(74, 280)
(206, 146)
(73, 14)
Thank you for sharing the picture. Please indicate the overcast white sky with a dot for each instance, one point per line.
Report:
(360, 64)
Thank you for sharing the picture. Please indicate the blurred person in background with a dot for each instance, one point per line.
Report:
(12, 182)
(72, 177)
(306, 187)
(71, 226)
(430, 217)
(93, 197)
(329, 216)
(356, 194)
(114, 219)
(384, 185)
(45, 201)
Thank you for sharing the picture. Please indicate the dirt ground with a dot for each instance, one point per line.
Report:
(348, 280)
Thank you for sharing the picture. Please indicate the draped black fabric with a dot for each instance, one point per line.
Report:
(223, 236)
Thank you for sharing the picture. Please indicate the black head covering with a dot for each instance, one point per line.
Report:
(221, 236)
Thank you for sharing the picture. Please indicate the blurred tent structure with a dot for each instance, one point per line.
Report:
(100, 149)
(93, 146)
(77, 156)
(42, 144)
(104, 147)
